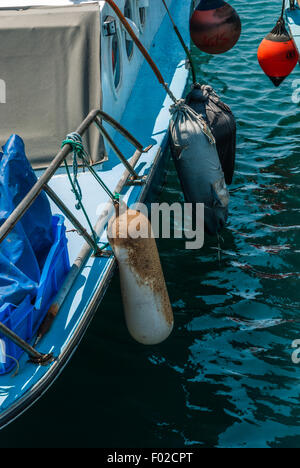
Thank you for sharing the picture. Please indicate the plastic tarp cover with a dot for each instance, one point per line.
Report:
(24, 251)
(50, 64)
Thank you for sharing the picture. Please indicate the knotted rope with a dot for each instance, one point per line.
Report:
(81, 156)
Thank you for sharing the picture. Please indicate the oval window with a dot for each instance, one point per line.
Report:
(116, 60)
(142, 13)
(129, 42)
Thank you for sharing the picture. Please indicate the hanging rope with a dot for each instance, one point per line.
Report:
(280, 26)
(75, 140)
(186, 49)
(283, 8)
(17, 365)
(79, 153)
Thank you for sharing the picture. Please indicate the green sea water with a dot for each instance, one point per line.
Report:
(225, 378)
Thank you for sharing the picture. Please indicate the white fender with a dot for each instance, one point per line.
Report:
(147, 307)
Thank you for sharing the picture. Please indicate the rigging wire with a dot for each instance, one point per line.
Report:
(186, 49)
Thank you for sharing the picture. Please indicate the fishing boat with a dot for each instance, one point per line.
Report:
(71, 66)
(293, 20)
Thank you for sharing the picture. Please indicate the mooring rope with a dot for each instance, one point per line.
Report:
(79, 153)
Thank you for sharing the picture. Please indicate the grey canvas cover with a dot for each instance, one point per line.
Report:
(50, 63)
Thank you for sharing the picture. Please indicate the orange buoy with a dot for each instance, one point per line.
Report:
(215, 26)
(277, 54)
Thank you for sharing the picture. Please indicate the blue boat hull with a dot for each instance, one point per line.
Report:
(81, 304)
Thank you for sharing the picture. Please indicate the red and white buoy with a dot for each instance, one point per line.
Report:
(146, 302)
(215, 26)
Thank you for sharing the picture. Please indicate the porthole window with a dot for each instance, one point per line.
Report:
(129, 42)
(116, 60)
(142, 13)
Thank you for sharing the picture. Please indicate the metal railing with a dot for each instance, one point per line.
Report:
(95, 117)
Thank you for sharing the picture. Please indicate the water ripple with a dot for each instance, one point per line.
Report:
(239, 316)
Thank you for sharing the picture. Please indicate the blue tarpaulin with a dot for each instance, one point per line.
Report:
(24, 251)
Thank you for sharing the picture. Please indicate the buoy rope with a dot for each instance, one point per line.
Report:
(282, 11)
(75, 141)
(140, 46)
(186, 49)
(280, 25)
